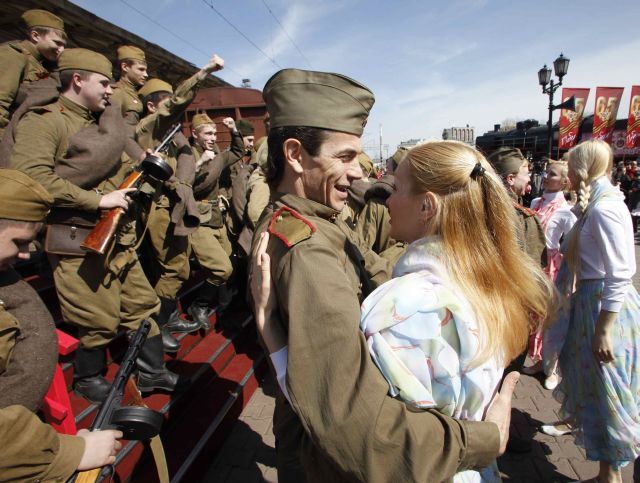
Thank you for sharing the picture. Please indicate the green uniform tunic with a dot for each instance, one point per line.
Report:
(171, 252)
(126, 96)
(95, 294)
(343, 425)
(21, 62)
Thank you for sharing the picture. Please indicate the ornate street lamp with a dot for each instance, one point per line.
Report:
(560, 66)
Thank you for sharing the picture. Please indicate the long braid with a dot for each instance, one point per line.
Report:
(584, 192)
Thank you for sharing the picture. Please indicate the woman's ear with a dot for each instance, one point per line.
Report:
(430, 205)
(292, 149)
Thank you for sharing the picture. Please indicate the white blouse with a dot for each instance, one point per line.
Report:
(561, 221)
(607, 249)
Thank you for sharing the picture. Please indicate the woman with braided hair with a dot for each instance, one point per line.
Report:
(600, 359)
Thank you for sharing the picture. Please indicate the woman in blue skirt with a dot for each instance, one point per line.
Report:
(600, 359)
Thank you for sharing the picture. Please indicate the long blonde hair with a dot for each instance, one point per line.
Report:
(477, 222)
(589, 160)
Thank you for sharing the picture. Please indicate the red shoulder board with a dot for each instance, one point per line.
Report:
(290, 226)
(526, 211)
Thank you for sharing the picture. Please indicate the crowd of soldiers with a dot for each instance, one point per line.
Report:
(71, 136)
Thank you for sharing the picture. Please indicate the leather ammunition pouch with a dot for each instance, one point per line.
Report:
(66, 230)
(219, 208)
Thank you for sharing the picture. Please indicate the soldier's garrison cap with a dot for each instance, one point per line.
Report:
(506, 160)
(84, 59)
(365, 163)
(323, 100)
(245, 128)
(22, 198)
(201, 119)
(398, 156)
(131, 52)
(155, 85)
(42, 18)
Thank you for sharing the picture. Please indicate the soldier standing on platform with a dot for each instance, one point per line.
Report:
(22, 61)
(207, 240)
(97, 295)
(133, 75)
(28, 354)
(167, 230)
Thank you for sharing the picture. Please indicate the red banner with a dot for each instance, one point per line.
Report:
(570, 120)
(633, 128)
(606, 111)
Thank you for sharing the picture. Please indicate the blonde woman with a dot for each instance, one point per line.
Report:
(557, 219)
(457, 310)
(600, 359)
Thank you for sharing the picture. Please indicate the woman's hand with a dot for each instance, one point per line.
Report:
(602, 344)
(264, 298)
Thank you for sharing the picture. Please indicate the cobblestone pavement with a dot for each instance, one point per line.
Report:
(249, 455)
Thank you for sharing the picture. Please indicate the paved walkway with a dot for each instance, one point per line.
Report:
(249, 455)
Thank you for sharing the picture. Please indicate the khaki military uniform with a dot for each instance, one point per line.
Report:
(171, 252)
(258, 194)
(126, 96)
(31, 449)
(21, 62)
(343, 425)
(210, 243)
(530, 234)
(95, 294)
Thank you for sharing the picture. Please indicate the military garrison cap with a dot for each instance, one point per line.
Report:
(323, 100)
(22, 198)
(42, 18)
(398, 156)
(130, 52)
(201, 119)
(155, 85)
(365, 163)
(83, 59)
(245, 128)
(506, 160)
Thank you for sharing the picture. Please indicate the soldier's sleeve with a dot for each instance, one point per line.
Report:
(13, 64)
(171, 112)
(341, 396)
(33, 450)
(34, 153)
(373, 226)
(259, 194)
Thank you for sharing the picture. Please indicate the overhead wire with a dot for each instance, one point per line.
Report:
(194, 47)
(210, 5)
(287, 33)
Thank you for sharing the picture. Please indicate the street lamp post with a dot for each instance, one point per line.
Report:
(560, 66)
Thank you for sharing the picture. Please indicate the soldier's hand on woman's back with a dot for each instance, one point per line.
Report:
(264, 297)
(499, 411)
(99, 449)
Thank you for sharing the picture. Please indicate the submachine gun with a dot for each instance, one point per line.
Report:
(135, 422)
(99, 238)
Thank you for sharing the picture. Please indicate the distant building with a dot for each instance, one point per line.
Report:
(410, 143)
(463, 134)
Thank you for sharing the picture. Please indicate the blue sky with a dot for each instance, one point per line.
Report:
(431, 64)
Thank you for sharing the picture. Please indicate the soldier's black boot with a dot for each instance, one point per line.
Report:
(152, 373)
(200, 308)
(174, 322)
(87, 379)
(169, 342)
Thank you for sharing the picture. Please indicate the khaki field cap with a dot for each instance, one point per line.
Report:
(245, 128)
(317, 99)
(42, 18)
(83, 59)
(200, 119)
(155, 85)
(365, 163)
(22, 198)
(130, 52)
(506, 160)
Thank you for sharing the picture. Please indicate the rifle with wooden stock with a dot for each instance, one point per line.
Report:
(100, 237)
(136, 422)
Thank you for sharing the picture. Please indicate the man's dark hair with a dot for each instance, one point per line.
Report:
(67, 75)
(154, 98)
(311, 139)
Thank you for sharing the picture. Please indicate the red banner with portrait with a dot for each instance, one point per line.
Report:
(633, 127)
(570, 120)
(605, 112)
